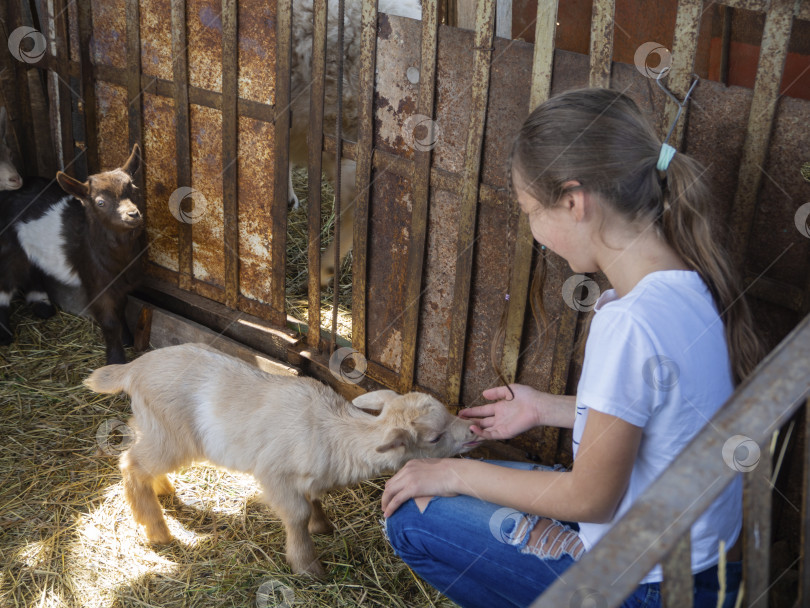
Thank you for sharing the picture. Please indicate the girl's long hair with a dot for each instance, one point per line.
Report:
(600, 138)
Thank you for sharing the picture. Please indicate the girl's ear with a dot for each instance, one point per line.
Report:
(575, 199)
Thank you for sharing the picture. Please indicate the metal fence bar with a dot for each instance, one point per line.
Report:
(182, 136)
(338, 210)
(677, 589)
(465, 243)
(666, 510)
(421, 194)
(314, 147)
(365, 143)
(601, 51)
(134, 97)
(772, 55)
(230, 145)
(85, 25)
(64, 90)
(519, 277)
(757, 531)
(804, 565)
(679, 78)
(281, 143)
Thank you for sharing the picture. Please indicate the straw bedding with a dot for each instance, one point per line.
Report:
(67, 537)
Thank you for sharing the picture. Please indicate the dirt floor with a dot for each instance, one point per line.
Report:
(67, 537)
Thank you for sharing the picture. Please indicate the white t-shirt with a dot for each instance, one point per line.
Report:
(657, 358)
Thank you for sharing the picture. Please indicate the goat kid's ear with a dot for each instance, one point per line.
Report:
(73, 186)
(374, 400)
(396, 438)
(133, 162)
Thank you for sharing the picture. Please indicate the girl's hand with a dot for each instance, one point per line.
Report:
(507, 417)
(419, 477)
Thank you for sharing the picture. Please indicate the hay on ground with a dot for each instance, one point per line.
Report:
(69, 540)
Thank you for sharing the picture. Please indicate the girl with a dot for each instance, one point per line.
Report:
(665, 348)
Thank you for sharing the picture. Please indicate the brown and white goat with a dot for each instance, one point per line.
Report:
(296, 436)
(79, 234)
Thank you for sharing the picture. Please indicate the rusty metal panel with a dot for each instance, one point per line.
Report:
(160, 174)
(601, 51)
(390, 214)
(257, 50)
(156, 39)
(775, 243)
(677, 589)
(256, 230)
(109, 33)
(421, 192)
(206, 177)
(666, 510)
(111, 111)
(467, 212)
(204, 19)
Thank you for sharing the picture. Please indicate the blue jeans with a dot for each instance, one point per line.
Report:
(475, 553)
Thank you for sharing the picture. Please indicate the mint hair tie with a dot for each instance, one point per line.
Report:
(665, 157)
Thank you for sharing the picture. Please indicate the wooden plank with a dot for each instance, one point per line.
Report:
(182, 138)
(773, 51)
(88, 102)
(666, 510)
(242, 327)
(230, 144)
(365, 143)
(520, 273)
(168, 329)
(601, 49)
(757, 500)
(804, 565)
(677, 589)
(421, 195)
(281, 132)
(679, 78)
(314, 147)
(465, 242)
(776, 292)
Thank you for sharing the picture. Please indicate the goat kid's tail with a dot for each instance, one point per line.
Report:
(110, 379)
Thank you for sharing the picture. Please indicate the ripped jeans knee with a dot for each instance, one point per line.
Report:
(551, 539)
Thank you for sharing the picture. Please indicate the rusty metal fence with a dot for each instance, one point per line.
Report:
(205, 87)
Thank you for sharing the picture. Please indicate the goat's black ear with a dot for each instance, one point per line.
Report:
(72, 185)
(134, 161)
(396, 438)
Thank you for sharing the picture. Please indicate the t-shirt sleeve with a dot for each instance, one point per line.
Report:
(620, 372)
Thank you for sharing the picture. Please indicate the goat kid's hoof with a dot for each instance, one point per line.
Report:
(313, 569)
(159, 537)
(321, 527)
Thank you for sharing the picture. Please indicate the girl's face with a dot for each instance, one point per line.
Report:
(560, 228)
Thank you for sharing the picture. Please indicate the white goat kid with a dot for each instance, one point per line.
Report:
(298, 437)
